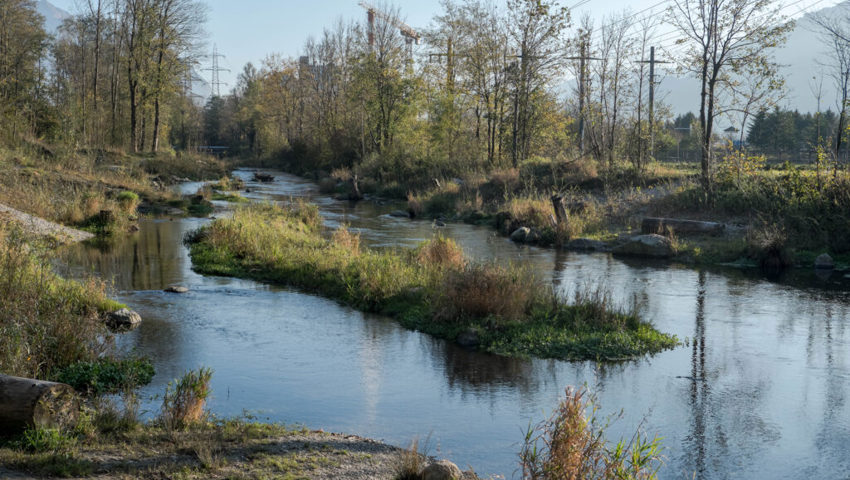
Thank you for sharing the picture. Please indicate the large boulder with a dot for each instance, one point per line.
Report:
(824, 262)
(441, 470)
(681, 226)
(525, 235)
(177, 289)
(651, 246)
(399, 214)
(123, 319)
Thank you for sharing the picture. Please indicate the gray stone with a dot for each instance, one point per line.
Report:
(441, 470)
(439, 223)
(468, 338)
(681, 226)
(123, 319)
(652, 246)
(525, 235)
(824, 262)
(400, 214)
(177, 289)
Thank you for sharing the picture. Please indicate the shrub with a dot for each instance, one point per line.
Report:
(411, 461)
(571, 445)
(344, 238)
(327, 185)
(128, 201)
(183, 402)
(107, 375)
(40, 440)
(440, 252)
(482, 290)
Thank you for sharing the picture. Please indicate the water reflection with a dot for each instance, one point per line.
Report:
(760, 390)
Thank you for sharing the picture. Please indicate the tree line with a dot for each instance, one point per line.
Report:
(112, 76)
(486, 90)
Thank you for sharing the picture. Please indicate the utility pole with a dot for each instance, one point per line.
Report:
(652, 61)
(583, 58)
(215, 83)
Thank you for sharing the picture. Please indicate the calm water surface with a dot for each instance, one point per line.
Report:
(760, 391)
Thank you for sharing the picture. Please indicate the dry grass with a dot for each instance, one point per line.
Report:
(441, 253)
(183, 402)
(571, 445)
(46, 322)
(482, 290)
(346, 239)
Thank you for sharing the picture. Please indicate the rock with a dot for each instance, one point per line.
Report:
(177, 289)
(681, 227)
(525, 235)
(652, 246)
(133, 228)
(399, 214)
(468, 338)
(262, 177)
(824, 262)
(586, 244)
(123, 319)
(439, 223)
(441, 470)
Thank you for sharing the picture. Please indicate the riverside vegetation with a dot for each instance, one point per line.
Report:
(433, 288)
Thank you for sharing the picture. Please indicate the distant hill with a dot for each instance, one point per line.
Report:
(53, 15)
(802, 57)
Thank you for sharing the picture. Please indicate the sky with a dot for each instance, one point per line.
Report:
(249, 30)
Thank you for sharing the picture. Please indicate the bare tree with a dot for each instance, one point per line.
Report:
(723, 37)
(835, 31)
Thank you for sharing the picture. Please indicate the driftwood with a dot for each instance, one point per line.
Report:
(263, 177)
(681, 227)
(26, 403)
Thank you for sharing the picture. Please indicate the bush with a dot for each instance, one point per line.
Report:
(41, 440)
(440, 252)
(572, 445)
(128, 201)
(107, 375)
(482, 290)
(183, 402)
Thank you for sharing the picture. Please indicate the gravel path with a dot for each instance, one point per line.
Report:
(41, 227)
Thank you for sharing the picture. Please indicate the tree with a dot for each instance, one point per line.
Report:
(835, 31)
(724, 38)
(22, 44)
(535, 28)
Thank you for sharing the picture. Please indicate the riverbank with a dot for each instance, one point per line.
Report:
(216, 448)
(780, 215)
(434, 288)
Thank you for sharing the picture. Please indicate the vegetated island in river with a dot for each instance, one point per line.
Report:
(433, 288)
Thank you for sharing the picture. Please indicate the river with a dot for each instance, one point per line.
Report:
(759, 391)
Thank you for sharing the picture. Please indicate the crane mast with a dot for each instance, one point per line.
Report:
(410, 35)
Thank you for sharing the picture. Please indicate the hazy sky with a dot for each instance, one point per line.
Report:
(249, 30)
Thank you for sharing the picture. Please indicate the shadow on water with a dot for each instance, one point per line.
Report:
(759, 391)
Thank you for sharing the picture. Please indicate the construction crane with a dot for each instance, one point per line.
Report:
(409, 34)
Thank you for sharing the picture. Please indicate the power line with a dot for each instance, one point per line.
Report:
(215, 82)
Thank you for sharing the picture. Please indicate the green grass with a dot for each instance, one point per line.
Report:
(512, 312)
(46, 322)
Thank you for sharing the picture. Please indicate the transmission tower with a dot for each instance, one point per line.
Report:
(215, 82)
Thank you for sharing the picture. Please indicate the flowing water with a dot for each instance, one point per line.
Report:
(759, 391)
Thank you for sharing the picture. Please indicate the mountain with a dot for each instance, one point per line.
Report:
(802, 59)
(53, 15)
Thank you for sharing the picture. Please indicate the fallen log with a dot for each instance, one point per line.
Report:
(652, 225)
(27, 403)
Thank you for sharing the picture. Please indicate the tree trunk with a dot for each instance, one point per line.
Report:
(560, 210)
(26, 403)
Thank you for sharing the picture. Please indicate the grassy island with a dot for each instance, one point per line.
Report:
(433, 288)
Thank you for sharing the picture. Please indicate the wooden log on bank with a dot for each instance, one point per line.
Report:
(652, 225)
(27, 403)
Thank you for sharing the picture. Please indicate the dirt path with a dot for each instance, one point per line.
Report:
(41, 227)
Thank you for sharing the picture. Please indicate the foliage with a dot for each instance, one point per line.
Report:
(46, 322)
(571, 444)
(183, 401)
(432, 288)
(107, 375)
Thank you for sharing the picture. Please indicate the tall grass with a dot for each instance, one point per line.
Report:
(46, 322)
(433, 288)
(571, 444)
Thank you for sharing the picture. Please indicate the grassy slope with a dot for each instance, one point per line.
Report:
(511, 312)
